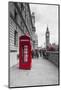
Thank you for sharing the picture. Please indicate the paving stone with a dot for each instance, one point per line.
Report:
(43, 72)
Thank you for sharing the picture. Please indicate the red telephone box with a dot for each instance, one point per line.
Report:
(24, 52)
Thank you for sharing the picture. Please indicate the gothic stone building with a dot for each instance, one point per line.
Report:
(34, 35)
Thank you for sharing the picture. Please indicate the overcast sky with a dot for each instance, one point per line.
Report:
(45, 15)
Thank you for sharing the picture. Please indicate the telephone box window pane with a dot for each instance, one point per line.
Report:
(25, 53)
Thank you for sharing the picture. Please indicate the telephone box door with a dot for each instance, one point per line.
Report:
(24, 52)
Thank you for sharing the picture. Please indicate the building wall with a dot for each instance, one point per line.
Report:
(20, 26)
(35, 40)
(34, 35)
(14, 50)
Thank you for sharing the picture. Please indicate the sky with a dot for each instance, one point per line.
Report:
(45, 15)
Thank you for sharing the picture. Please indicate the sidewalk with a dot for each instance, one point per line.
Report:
(43, 72)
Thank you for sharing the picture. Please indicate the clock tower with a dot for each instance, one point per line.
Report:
(47, 37)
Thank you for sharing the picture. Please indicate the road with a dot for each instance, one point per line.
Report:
(43, 72)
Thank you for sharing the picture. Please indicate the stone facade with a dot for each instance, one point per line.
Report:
(34, 35)
(20, 22)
